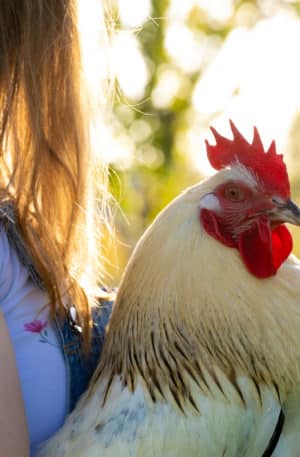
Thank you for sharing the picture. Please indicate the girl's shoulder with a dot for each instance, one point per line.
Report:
(11, 238)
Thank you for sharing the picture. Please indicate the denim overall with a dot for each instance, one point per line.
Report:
(80, 367)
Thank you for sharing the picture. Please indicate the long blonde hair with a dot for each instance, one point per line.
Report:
(45, 162)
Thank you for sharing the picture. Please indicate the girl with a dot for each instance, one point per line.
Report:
(50, 329)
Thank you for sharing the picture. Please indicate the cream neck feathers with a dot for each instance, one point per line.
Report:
(187, 308)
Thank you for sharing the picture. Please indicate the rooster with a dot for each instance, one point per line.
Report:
(202, 353)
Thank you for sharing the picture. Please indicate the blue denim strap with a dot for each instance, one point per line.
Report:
(80, 366)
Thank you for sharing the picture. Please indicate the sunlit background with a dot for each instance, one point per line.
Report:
(181, 66)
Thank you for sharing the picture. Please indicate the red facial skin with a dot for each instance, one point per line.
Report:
(243, 223)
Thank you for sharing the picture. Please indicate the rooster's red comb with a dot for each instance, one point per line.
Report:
(267, 166)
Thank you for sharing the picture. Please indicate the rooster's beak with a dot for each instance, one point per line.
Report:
(285, 212)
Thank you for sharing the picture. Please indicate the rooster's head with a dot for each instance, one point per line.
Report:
(247, 210)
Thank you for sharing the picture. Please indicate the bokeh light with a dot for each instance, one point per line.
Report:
(182, 66)
(134, 13)
(129, 65)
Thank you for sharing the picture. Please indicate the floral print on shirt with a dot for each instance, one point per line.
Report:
(40, 327)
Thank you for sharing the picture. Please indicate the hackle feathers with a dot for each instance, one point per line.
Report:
(187, 311)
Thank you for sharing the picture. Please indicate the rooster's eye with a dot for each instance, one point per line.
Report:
(235, 194)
